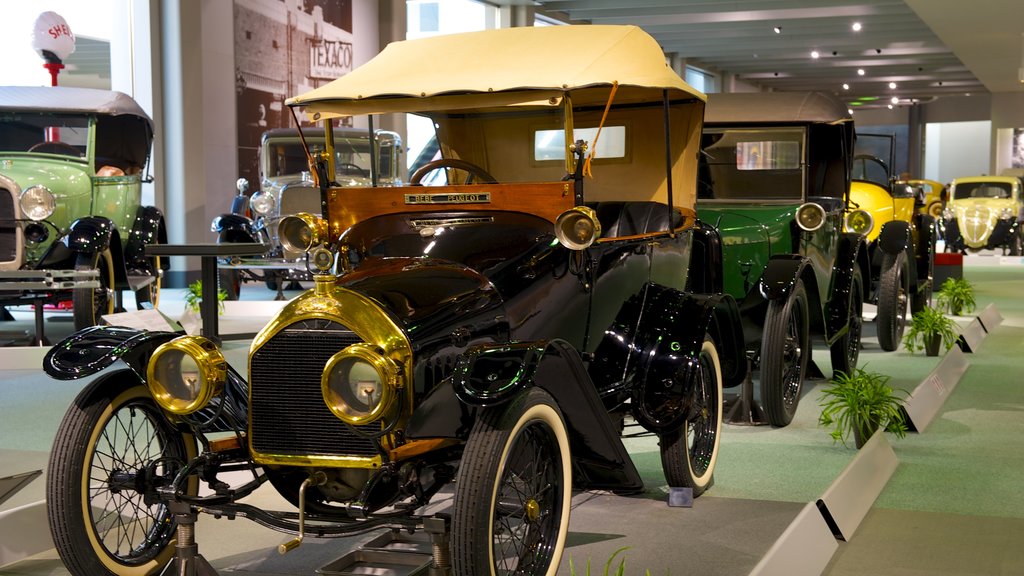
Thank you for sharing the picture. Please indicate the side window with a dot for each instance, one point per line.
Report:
(549, 145)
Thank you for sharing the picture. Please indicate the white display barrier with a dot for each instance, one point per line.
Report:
(971, 336)
(24, 532)
(990, 317)
(855, 490)
(927, 398)
(804, 549)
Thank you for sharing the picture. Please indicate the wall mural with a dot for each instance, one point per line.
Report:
(283, 48)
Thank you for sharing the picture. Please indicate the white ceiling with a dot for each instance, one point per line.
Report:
(929, 48)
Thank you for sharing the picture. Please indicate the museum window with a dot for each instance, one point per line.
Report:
(701, 80)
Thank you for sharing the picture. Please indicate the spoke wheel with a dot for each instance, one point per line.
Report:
(91, 303)
(688, 455)
(846, 350)
(513, 491)
(100, 522)
(893, 290)
(785, 351)
(151, 292)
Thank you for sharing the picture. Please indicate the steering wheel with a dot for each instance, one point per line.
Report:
(56, 147)
(473, 172)
(350, 169)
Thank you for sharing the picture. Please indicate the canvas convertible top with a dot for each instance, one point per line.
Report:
(486, 69)
(775, 107)
(61, 99)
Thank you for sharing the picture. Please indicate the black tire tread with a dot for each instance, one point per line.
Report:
(893, 279)
(776, 323)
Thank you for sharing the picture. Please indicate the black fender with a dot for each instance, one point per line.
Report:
(850, 257)
(148, 229)
(93, 349)
(895, 237)
(93, 234)
(705, 273)
(235, 228)
(492, 374)
(780, 275)
(665, 354)
(924, 254)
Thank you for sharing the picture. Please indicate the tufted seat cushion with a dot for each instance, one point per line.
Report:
(633, 218)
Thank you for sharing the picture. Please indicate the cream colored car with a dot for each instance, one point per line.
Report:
(984, 213)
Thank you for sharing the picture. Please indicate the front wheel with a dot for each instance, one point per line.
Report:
(846, 350)
(90, 304)
(513, 491)
(1016, 244)
(893, 289)
(689, 454)
(785, 351)
(112, 445)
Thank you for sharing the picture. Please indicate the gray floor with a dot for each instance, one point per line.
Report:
(764, 478)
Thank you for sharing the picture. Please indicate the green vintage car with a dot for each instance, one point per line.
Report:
(72, 224)
(774, 179)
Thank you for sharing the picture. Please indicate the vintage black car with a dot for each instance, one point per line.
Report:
(286, 188)
(496, 334)
(775, 179)
(73, 227)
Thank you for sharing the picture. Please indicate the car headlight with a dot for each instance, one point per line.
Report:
(948, 214)
(859, 222)
(577, 228)
(810, 216)
(301, 231)
(262, 203)
(37, 202)
(1005, 214)
(359, 384)
(186, 373)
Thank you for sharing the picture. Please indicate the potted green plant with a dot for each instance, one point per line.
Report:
(957, 296)
(859, 403)
(929, 330)
(191, 319)
(619, 571)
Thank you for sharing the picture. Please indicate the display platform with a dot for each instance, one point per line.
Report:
(764, 479)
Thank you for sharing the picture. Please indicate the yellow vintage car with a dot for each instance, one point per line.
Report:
(933, 198)
(901, 238)
(984, 213)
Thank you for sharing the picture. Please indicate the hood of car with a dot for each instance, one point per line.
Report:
(977, 217)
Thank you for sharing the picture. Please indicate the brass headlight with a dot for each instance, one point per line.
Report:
(300, 232)
(810, 216)
(359, 384)
(577, 228)
(37, 202)
(186, 373)
(860, 222)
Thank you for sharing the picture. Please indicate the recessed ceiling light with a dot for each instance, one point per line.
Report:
(778, 29)
(890, 106)
(895, 100)
(849, 111)
(860, 71)
(846, 86)
(856, 26)
(967, 94)
(815, 54)
(892, 85)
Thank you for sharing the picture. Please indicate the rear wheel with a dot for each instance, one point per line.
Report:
(1016, 243)
(893, 289)
(689, 454)
(513, 491)
(90, 304)
(149, 295)
(785, 351)
(111, 438)
(846, 350)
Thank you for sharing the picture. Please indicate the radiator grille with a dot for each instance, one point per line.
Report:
(287, 409)
(295, 199)
(8, 227)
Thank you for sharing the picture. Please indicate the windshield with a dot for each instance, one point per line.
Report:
(751, 164)
(964, 190)
(62, 134)
(287, 158)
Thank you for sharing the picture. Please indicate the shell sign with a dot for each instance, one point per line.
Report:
(53, 35)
